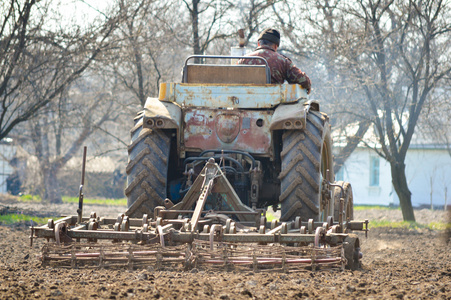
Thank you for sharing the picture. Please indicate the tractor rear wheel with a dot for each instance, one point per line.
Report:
(306, 156)
(147, 170)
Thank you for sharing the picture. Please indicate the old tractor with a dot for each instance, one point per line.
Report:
(272, 144)
(207, 157)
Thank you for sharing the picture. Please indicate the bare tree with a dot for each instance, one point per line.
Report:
(310, 42)
(142, 54)
(156, 37)
(435, 121)
(207, 22)
(59, 131)
(33, 47)
(394, 53)
(254, 16)
(40, 61)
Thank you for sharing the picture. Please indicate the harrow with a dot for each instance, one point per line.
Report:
(180, 235)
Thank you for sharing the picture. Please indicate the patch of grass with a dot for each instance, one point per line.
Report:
(19, 218)
(410, 225)
(30, 198)
(365, 207)
(270, 216)
(114, 202)
(439, 226)
(67, 199)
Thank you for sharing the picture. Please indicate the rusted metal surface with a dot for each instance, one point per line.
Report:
(215, 116)
(181, 235)
(231, 95)
(207, 186)
(112, 255)
(137, 234)
(243, 130)
(212, 180)
(171, 241)
(199, 254)
(258, 256)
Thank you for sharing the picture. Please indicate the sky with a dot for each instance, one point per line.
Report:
(79, 11)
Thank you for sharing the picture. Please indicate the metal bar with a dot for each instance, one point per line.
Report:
(274, 260)
(136, 222)
(246, 238)
(225, 212)
(211, 169)
(206, 189)
(80, 193)
(99, 234)
(189, 237)
(230, 151)
(71, 220)
(192, 159)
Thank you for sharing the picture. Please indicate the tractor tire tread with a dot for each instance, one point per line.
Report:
(147, 170)
(300, 174)
(138, 125)
(293, 143)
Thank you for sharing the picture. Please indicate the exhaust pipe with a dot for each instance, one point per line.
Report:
(241, 49)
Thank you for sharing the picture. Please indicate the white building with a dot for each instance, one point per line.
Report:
(428, 172)
(7, 151)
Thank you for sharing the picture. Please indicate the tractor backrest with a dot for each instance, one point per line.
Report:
(239, 74)
(226, 74)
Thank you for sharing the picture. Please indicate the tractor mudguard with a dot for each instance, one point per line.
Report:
(293, 115)
(162, 115)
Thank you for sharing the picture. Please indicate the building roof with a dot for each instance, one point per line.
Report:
(423, 137)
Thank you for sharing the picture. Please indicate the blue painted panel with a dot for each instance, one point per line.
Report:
(230, 95)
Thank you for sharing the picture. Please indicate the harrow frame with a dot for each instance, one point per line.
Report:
(198, 236)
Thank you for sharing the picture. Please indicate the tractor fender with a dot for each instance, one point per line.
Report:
(161, 115)
(292, 115)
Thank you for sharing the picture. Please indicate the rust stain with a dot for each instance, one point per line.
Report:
(162, 93)
(219, 129)
(227, 126)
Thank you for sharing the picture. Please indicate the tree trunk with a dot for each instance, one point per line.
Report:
(399, 180)
(51, 184)
(195, 28)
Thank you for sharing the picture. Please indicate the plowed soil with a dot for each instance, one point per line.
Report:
(397, 264)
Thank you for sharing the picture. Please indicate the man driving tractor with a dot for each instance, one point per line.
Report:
(282, 68)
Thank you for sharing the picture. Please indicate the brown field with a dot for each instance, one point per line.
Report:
(397, 264)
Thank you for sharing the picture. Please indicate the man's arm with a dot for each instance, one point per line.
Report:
(295, 75)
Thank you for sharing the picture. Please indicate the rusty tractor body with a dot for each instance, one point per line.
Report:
(274, 144)
(207, 157)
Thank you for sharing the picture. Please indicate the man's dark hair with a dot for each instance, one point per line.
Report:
(266, 42)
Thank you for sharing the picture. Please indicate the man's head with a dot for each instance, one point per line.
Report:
(269, 36)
